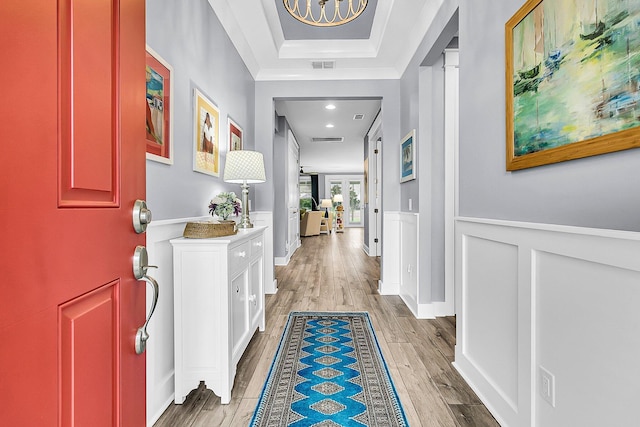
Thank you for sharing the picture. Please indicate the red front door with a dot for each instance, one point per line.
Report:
(72, 142)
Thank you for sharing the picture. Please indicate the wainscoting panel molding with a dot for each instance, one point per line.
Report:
(559, 300)
(402, 274)
(409, 270)
(390, 272)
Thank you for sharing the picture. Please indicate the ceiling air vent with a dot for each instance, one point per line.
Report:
(337, 139)
(358, 117)
(323, 65)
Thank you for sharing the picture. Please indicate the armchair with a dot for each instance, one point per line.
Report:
(310, 223)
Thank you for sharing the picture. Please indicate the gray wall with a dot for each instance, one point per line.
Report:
(422, 106)
(189, 36)
(600, 191)
(280, 173)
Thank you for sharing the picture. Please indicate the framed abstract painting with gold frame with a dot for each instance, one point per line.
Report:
(572, 80)
(206, 146)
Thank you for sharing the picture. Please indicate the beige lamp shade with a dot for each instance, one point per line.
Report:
(244, 166)
(338, 198)
(325, 203)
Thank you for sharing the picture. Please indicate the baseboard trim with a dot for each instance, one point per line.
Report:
(155, 417)
(365, 248)
(282, 260)
(486, 402)
(273, 290)
(435, 309)
(388, 289)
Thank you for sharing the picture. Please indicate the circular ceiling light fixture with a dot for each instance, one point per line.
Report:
(330, 107)
(341, 12)
(329, 125)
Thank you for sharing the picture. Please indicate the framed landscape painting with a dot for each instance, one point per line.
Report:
(206, 146)
(408, 157)
(159, 117)
(572, 80)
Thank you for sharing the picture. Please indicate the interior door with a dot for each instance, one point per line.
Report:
(377, 182)
(293, 193)
(73, 142)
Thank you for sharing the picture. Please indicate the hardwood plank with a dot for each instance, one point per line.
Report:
(185, 414)
(473, 416)
(407, 404)
(431, 408)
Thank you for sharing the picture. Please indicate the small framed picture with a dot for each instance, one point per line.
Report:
(206, 147)
(235, 135)
(159, 108)
(408, 157)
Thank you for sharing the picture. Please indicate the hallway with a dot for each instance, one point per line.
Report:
(332, 273)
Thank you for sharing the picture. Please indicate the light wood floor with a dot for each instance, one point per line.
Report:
(332, 273)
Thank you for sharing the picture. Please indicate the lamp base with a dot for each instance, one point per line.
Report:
(245, 222)
(242, 224)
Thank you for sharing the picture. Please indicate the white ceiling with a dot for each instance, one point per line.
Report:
(308, 119)
(256, 30)
(377, 45)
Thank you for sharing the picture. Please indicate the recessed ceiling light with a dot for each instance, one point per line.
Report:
(329, 125)
(330, 107)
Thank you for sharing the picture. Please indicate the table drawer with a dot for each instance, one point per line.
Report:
(257, 245)
(239, 257)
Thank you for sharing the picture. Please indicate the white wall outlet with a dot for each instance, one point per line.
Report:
(547, 386)
(410, 204)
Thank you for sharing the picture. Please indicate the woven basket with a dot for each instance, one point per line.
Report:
(206, 230)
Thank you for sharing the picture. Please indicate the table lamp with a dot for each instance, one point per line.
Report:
(244, 167)
(326, 204)
(338, 198)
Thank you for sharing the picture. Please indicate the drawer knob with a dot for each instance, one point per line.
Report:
(252, 298)
(242, 254)
(258, 243)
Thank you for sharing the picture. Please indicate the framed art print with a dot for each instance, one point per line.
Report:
(235, 135)
(408, 157)
(206, 146)
(159, 119)
(572, 80)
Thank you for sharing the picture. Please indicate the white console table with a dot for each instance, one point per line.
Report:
(218, 305)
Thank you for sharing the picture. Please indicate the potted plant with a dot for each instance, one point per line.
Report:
(224, 204)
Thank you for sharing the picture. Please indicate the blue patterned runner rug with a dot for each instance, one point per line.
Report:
(328, 372)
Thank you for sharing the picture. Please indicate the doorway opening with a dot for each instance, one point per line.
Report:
(334, 150)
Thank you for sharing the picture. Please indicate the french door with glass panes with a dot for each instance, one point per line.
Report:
(351, 189)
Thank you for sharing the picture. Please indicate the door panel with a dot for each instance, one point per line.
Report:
(293, 194)
(256, 287)
(88, 355)
(73, 130)
(87, 78)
